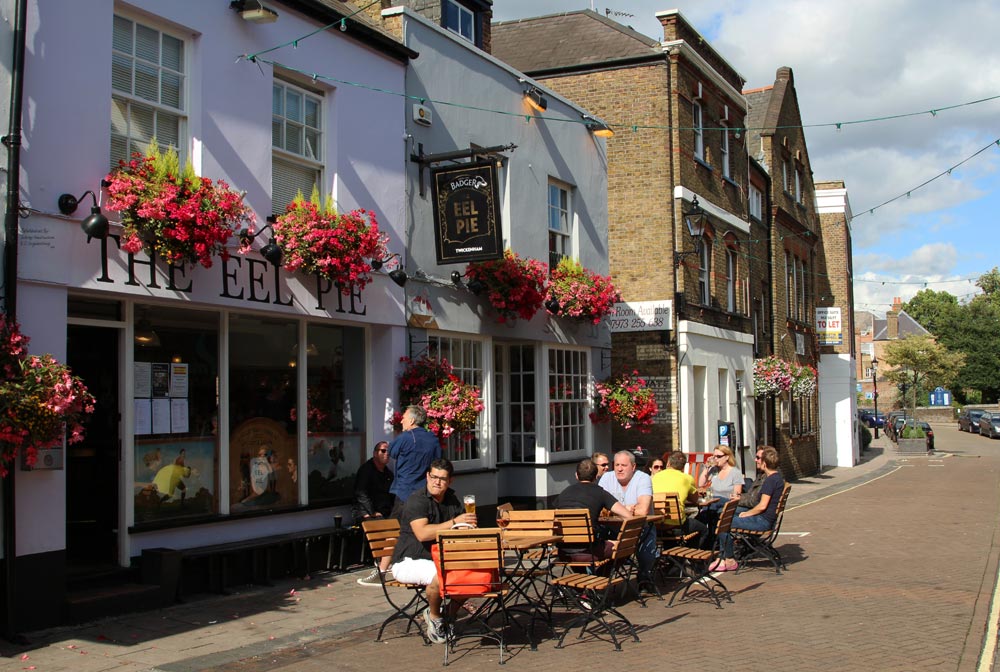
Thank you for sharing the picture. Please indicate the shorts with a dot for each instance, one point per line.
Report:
(421, 572)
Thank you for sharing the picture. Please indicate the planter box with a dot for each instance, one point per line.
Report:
(912, 446)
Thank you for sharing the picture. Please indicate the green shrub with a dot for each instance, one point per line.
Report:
(913, 432)
(866, 437)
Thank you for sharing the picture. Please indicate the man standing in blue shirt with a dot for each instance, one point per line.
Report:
(413, 451)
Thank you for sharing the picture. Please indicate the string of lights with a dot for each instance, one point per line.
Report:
(342, 23)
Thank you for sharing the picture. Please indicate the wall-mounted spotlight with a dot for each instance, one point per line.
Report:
(536, 100)
(254, 11)
(271, 251)
(695, 220)
(397, 275)
(95, 225)
(597, 127)
(475, 285)
(552, 305)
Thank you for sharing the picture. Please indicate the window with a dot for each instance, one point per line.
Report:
(724, 154)
(560, 231)
(147, 84)
(296, 141)
(466, 358)
(798, 185)
(459, 20)
(789, 286)
(705, 272)
(800, 309)
(731, 280)
(756, 203)
(514, 402)
(176, 363)
(784, 175)
(569, 400)
(697, 123)
(758, 311)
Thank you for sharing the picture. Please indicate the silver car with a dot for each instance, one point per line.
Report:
(989, 425)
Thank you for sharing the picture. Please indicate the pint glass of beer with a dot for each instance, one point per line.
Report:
(470, 503)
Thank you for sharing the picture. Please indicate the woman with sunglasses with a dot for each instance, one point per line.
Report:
(656, 466)
(722, 481)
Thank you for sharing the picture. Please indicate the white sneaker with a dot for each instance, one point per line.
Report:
(435, 628)
(370, 579)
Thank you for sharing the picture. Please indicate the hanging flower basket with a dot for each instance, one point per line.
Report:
(577, 292)
(315, 238)
(515, 287)
(176, 214)
(625, 399)
(771, 375)
(803, 381)
(40, 400)
(452, 405)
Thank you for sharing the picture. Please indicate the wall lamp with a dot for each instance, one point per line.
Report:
(258, 14)
(536, 100)
(272, 252)
(695, 219)
(597, 127)
(475, 286)
(397, 275)
(95, 225)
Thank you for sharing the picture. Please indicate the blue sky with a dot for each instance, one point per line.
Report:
(864, 60)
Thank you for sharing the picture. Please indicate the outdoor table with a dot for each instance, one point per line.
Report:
(522, 574)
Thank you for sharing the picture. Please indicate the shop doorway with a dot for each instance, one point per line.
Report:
(92, 466)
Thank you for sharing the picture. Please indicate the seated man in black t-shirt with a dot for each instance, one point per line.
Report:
(427, 511)
(586, 494)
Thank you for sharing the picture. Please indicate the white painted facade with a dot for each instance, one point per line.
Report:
(838, 411)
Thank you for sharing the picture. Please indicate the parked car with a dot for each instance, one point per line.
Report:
(864, 414)
(989, 424)
(968, 420)
(890, 423)
(896, 425)
(876, 420)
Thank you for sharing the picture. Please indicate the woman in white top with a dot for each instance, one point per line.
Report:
(725, 479)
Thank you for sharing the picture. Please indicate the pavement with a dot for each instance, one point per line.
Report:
(892, 565)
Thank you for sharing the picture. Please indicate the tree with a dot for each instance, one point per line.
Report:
(920, 364)
(937, 312)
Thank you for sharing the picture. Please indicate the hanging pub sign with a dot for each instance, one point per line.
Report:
(466, 213)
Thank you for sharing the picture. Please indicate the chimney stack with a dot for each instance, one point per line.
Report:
(892, 319)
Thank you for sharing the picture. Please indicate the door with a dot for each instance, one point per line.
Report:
(92, 465)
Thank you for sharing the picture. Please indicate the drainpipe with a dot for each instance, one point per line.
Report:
(13, 143)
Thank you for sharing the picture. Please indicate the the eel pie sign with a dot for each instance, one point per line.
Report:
(466, 213)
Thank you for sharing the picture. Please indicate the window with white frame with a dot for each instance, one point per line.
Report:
(705, 272)
(798, 185)
(724, 153)
(756, 203)
(514, 406)
(466, 358)
(459, 20)
(147, 90)
(296, 143)
(789, 286)
(784, 175)
(801, 311)
(569, 399)
(731, 280)
(560, 223)
(698, 124)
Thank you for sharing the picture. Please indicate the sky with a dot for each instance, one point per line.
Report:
(861, 60)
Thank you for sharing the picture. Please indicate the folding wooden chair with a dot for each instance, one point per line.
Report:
(471, 565)
(752, 544)
(669, 531)
(577, 531)
(697, 561)
(589, 594)
(382, 535)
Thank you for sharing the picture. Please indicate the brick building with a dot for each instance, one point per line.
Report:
(775, 138)
(871, 334)
(676, 107)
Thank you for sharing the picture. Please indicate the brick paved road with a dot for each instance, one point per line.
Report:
(892, 575)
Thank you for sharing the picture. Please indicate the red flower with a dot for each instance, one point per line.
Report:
(515, 287)
(577, 292)
(625, 399)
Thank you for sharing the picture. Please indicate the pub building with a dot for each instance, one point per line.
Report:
(234, 402)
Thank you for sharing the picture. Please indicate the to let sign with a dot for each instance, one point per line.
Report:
(829, 327)
(466, 213)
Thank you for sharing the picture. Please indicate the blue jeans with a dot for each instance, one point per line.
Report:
(757, 523)
(645, 553)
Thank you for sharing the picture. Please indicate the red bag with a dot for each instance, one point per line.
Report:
(464, 582)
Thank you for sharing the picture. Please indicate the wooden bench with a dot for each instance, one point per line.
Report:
(262, 551)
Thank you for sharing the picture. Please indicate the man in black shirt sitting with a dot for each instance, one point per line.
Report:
(372, 499)
(586, 494)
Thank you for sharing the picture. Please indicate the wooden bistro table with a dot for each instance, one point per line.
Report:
(521, 576)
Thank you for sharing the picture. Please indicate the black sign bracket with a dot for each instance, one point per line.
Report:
(473, 152)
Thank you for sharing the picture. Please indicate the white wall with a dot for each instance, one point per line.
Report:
(838, 411)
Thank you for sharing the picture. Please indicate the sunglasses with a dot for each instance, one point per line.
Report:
(718, 456)
(382, 450)
(656, 467)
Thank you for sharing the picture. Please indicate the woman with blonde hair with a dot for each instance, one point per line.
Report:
(719, 479)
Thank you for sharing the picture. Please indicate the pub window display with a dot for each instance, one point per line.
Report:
(175, 375)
